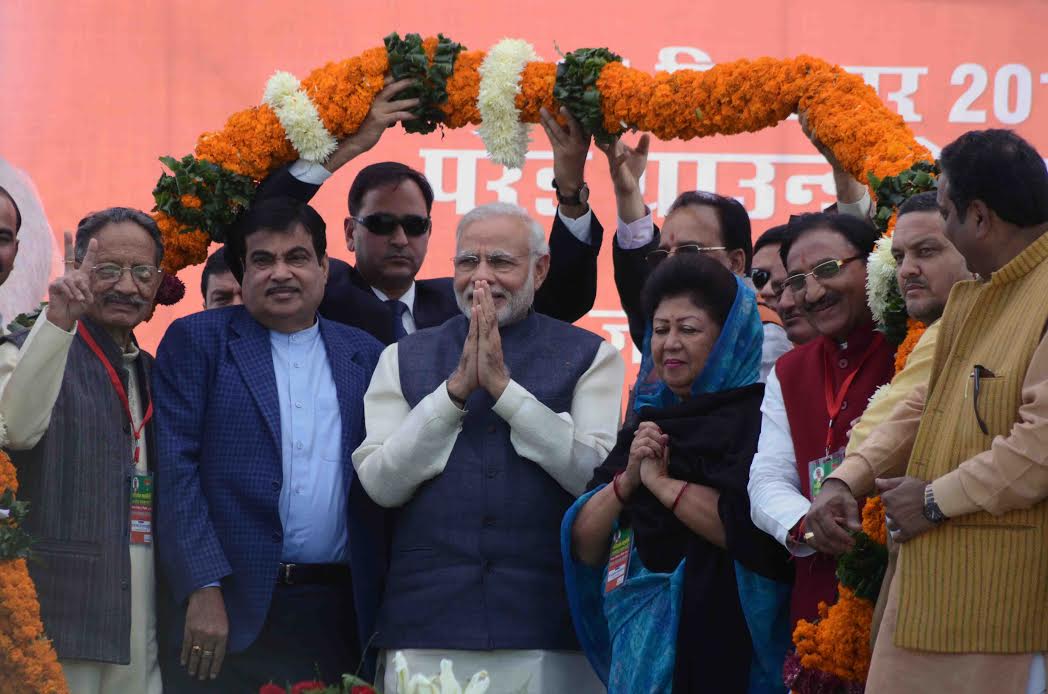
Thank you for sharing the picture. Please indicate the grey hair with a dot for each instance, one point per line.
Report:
(537, 235)
(93, 223)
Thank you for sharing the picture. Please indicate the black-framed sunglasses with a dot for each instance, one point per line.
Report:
(658, 255)
(384, 223)
(823, 271)
(760, 279)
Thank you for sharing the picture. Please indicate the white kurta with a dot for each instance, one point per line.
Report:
(406, 446)
(27, 411)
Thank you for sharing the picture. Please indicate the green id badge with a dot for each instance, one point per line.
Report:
(819, 470)
(142, 509)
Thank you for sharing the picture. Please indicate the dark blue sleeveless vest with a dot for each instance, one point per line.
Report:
(475, 562)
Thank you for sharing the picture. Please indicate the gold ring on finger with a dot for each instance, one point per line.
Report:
(195, 649)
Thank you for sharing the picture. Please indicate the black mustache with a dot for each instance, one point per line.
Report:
(822, 303)
(126, 299)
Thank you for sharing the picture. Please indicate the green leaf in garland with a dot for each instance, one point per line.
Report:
(576, 88)
(222, 194)
(862, 568)
(407, 60)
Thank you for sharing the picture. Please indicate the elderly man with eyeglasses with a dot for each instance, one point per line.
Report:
(817, 390)
(480, 435)
(78, 412)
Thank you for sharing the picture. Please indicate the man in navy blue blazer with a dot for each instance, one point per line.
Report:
(388, 230)
(273, 552)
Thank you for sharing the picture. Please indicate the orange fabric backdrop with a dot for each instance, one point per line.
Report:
(94, 91)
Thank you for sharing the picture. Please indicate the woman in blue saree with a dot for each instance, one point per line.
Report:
(650, 550)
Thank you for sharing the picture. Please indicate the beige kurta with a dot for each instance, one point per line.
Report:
(27, 412)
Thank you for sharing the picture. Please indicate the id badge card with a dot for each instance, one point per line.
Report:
(619, 561)
(142, 509)
(820, 469)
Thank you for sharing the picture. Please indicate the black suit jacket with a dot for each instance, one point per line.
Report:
(631, 271)
(567, 294)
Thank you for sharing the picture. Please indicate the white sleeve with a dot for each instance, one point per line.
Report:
(580, 227)
(30, 379)
(860, 208)
(309, 172)
(569, 446)
(635, 234)
(775, 345)
(776, 503)
(404, 446)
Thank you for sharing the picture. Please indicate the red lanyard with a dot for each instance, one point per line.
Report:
(834, 403)
(120, 391)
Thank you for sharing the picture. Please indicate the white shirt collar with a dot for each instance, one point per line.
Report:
(408, 297)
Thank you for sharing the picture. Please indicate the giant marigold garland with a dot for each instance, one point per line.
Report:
(27, 661)
(742, 96)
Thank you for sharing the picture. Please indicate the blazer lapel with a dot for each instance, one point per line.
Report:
(350, 385)
(253, 354)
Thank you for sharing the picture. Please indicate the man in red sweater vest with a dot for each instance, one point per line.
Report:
(817, 390)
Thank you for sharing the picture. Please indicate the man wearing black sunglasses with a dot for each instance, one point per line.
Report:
(389, 225)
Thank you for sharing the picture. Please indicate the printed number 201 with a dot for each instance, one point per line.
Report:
(1008, 77)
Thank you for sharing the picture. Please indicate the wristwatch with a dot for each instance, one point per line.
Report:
(581, 197)
(931, 509)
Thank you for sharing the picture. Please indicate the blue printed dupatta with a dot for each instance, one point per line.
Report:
(639, 618)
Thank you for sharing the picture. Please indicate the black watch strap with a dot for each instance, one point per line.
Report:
(575, 199)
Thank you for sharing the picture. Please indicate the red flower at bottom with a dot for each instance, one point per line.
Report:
(361, 689)
(272, 689)
(311, 686)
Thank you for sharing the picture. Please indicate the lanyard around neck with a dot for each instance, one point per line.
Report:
(121, 392)
(834, 402)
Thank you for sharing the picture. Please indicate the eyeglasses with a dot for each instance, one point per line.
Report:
(111, 272)
(384, 223)
(822, 271)
(499, 262)
(657, 256)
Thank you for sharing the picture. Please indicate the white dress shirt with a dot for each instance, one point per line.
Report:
(776, 502)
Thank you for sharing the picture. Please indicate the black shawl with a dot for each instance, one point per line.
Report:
(712, 440)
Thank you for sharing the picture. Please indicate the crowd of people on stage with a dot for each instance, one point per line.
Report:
(332, 463)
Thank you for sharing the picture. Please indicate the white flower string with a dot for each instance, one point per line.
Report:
(504, 136)
(880, 278)
(297, 114)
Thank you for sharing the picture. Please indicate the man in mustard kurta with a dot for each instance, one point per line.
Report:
(967, 610)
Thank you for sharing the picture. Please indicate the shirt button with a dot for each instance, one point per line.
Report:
(843, 363)
(125, 585)
(298, 445)
(278, 536)
(276, 485)
(844, 406)
(298, 405)
(297, 365)
(127, 428)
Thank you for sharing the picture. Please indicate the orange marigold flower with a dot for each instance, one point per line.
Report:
(873, 520)
(191, 202)
(914, 330)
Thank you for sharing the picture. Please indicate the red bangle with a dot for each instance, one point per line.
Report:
(676, 501)
(615, 488)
